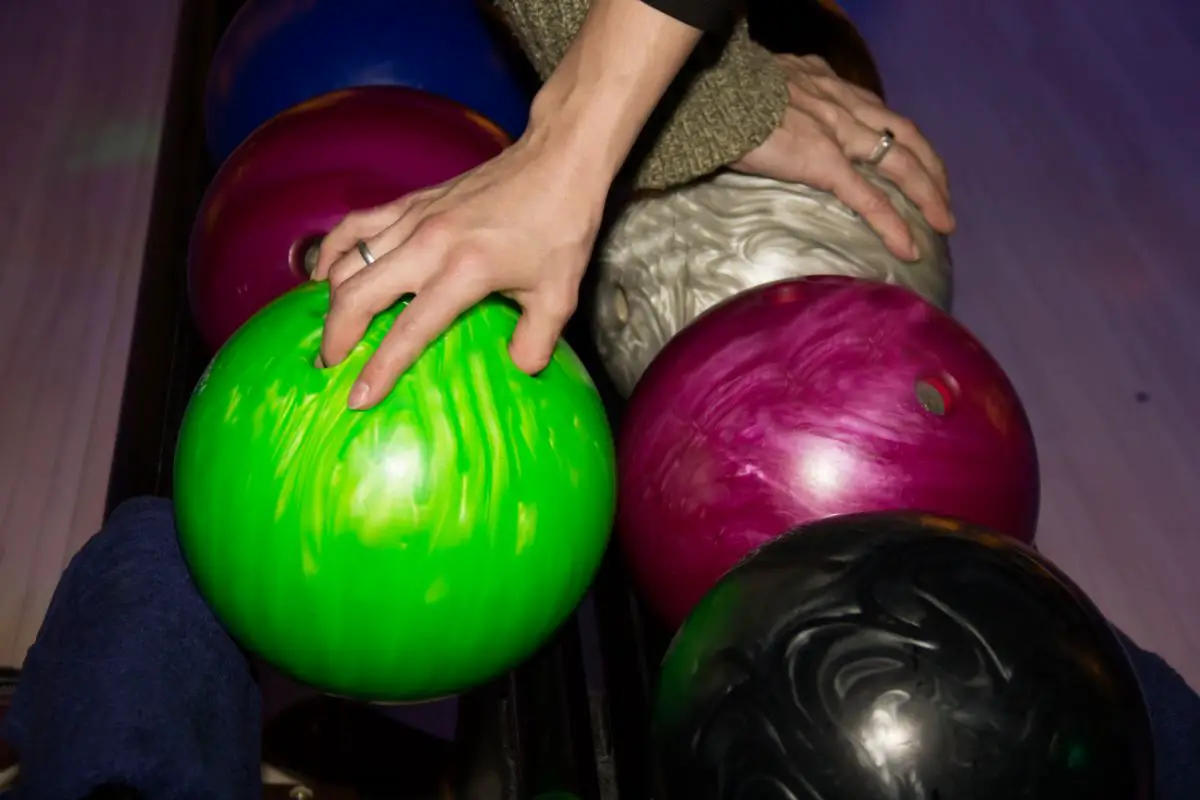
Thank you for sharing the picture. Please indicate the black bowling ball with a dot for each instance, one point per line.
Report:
(900, 657)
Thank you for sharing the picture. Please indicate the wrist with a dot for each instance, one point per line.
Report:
(579, 125)
(593, 106)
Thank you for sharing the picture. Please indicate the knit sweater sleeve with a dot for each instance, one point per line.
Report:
(725, 103)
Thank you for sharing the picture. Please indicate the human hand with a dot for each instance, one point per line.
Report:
(522, 224)
(829, 125)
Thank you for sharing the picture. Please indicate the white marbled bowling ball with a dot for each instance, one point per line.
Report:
(672, 255)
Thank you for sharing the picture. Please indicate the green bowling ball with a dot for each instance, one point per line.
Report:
(404, 553)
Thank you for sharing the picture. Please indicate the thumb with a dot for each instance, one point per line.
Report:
(537, 333)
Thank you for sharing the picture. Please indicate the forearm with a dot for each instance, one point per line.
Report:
(724, 110)
(714, 116)
(615, 71)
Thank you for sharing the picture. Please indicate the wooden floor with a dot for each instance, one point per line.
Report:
(1076, 180)
(1070, 130)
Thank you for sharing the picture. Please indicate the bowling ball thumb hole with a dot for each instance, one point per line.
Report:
(304, 255)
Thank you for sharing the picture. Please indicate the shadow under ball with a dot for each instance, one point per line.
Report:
(815, 27)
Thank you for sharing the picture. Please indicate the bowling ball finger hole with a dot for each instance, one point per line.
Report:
(304, 255)
(620, 304)
(937, 394)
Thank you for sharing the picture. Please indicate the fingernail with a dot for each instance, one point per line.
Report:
(358, 395)
(912, 251)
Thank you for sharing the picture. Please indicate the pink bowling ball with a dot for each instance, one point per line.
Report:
(300, 173)
(807, 399)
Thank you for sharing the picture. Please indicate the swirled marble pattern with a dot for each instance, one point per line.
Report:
(300, 174)
(805, 399)
(671, 256)
(897, 657)
(410, 551)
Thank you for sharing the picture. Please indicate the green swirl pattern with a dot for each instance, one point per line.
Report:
(403, 553)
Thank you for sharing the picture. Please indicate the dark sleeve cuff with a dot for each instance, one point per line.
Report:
(707, 15)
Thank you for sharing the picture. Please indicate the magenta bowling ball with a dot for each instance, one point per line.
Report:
(807, 399)
(300, 173)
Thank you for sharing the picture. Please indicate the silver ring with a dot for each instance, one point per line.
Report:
(886, 140)
(367, 256)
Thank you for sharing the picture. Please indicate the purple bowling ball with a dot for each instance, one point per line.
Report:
(300, 173)
(806, 399)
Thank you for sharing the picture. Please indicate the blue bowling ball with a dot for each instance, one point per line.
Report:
(279, 53)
